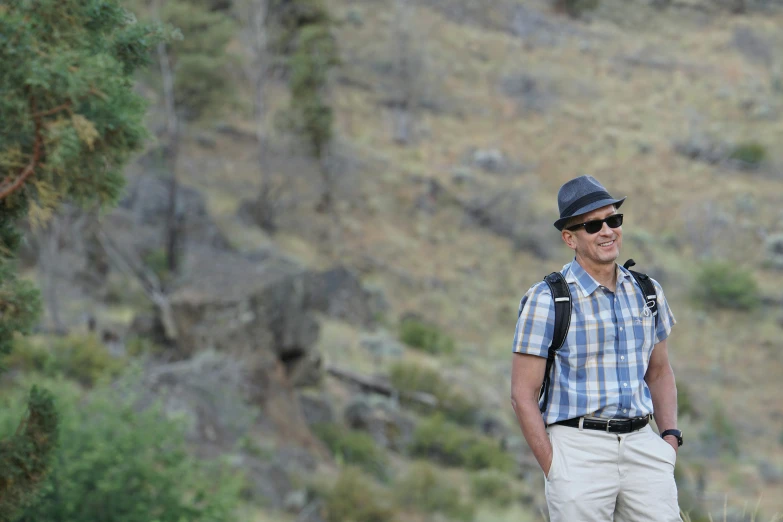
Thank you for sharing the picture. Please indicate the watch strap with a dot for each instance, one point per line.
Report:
(676, 433)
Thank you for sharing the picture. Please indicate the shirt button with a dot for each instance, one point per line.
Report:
(625, 384)
(625, 410)
(621, 328)
(622, 357)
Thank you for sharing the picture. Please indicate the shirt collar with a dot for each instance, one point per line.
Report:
(574, 273)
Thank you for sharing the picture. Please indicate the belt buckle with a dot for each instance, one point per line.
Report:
(608, 423)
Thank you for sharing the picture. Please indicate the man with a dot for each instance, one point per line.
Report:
(601, 459)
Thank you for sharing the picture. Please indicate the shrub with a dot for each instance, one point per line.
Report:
(354, 499)
(425, 337)
(115, 463)
(410, 377)
(138, 346)
(423, 488)
(492, 487)
(353, 447)
(80, 357)
(725, 285)
(749, 155)
(685, 402)
(442, 441)
(720, 435)
(407, 377)
(157, 260)
(575, 8)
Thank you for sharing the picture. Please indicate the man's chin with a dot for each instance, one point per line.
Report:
(609, 257)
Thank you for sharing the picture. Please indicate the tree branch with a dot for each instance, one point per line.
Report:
(6, 189)
(55, 110)
(133, 267)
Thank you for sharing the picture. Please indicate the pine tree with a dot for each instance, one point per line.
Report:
(307, 39)
(194, 77)
(69, 120)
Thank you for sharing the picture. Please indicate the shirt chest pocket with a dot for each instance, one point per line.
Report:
(643, 334)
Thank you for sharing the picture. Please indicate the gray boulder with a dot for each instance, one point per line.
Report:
(259, 311)
(316, 409)
(147, 199)
(274, 480)
(339, 293)
(387, 425)
(383, 345)
(211, 392)
(490, 160)
(773, 249)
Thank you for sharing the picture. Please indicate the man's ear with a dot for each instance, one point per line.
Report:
(568, 238)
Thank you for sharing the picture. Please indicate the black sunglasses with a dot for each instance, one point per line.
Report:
(592, 227)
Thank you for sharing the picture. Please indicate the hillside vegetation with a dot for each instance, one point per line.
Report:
(454, 124)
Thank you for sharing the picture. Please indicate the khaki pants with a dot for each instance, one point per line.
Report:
(599, 476)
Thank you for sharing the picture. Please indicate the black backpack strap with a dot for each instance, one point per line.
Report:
(648, 289)
(561, 296)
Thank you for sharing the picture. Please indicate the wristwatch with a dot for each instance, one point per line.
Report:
(676, 433)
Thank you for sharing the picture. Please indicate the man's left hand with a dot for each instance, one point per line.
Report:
(671, 439)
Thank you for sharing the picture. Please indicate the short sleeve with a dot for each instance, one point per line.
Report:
(536, 322)
(665, 317)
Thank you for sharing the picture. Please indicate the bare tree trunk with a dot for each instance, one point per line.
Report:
(327, 185)
(402, 108)
(256, 12)
(258, 29)
(266, 203)
(172, 156)
(52, 248)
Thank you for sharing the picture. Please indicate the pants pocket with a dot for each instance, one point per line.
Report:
(666, 449)
(552, 467)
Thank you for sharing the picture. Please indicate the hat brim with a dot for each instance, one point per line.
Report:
(560, 223)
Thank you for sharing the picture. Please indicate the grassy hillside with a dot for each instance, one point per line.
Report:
(611, 96)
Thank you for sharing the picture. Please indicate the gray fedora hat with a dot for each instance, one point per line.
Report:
(580, 196)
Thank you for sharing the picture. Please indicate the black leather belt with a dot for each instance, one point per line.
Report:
(609, 425)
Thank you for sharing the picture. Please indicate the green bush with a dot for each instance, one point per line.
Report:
(425, 337)
(721, 435)
(157, 260)
(750, 154)
(685, 402)
(355, 499)
(442, 441)
(138, 346)
(115, 463)
(409, 377)
(575, 8)
(424, 489)
(725, 285)
(80, 357)
(492, 487)
(353, 447)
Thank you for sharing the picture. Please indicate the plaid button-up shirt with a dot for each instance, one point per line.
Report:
(599, 371)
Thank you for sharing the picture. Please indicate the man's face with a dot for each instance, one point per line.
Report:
(600, 248)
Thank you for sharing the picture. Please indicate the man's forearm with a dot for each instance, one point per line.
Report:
(663, 390)
(534, 430)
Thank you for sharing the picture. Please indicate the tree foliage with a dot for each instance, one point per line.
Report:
(120, 464)
(305, 37)
(69, 120)
(198, 59)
